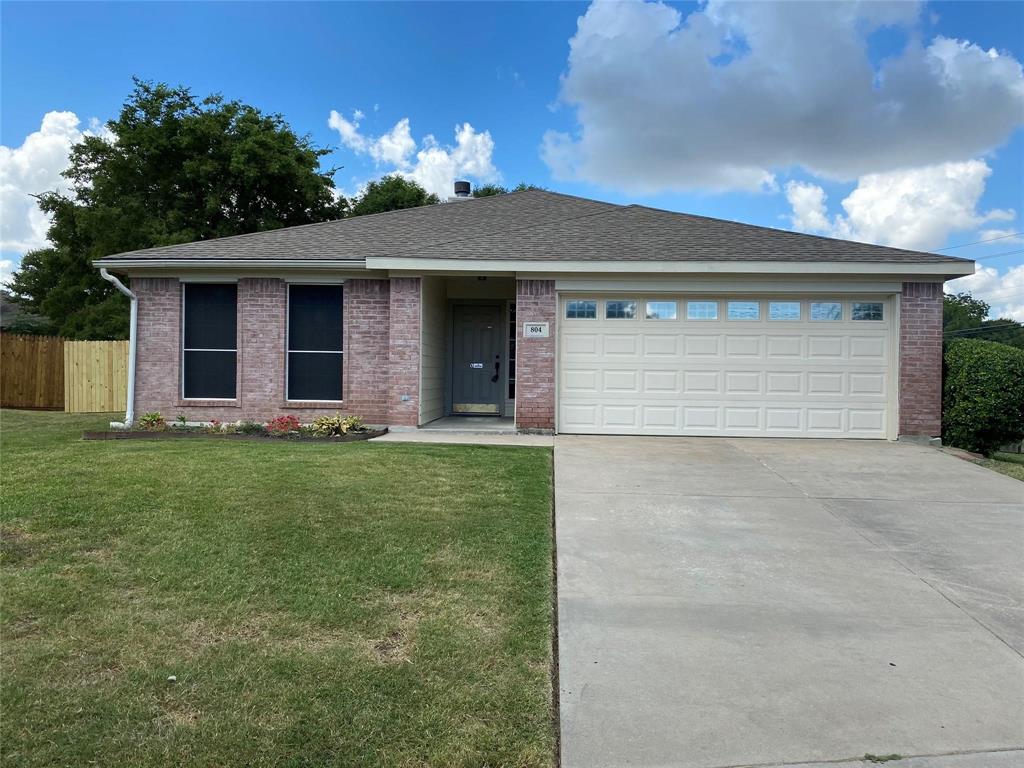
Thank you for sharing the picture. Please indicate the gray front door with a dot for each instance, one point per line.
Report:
(476, 358)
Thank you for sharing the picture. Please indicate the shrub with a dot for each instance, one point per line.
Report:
(250, 428)
(283, 425)
(152, 421)
(336, 425)
(215, 427)
(983, 397)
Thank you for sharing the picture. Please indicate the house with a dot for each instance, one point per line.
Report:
(563, 313)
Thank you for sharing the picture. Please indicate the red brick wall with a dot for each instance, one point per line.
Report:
(367, 319)
(535, 358)
(921, 359)
(404, 351)
(262, 306)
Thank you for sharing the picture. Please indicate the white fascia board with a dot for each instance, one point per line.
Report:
(945, 270)
(231, 264)
(780, 284)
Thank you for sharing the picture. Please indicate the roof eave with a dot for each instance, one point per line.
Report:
(947, 270)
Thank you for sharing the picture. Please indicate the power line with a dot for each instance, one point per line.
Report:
(997, 255)
(982, 328)
(979, 242)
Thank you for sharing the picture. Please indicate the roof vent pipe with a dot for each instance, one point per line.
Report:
(462, 189)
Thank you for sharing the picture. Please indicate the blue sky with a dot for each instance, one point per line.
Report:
(617, 102)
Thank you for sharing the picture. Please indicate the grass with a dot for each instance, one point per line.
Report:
(344, 605)
(1011, 464)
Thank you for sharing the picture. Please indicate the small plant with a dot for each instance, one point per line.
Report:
(336, 425)
(250, 428)
(215, 427)
(283, 425)
(181, 421)
(152, 422)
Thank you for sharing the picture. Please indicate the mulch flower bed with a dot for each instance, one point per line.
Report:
(172, 434)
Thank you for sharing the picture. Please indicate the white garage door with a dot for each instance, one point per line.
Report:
(725, 365)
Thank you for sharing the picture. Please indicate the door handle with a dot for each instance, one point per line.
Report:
(497, 367)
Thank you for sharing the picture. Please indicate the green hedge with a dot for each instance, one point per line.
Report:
(983, 397)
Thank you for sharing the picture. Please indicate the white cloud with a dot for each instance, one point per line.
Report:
(6, 267)
(1000, 237)
(730, 94)
(31, 169)
(1004, 293)
(916, 208)
(434, 166)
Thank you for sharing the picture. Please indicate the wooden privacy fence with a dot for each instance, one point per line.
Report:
(49, 372)
(31, 371)
(95, 376)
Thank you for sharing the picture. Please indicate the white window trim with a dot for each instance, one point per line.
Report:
(565, 314)
(647, 304)
(743, 319)
(715, 319)
(636, 308)
(184, 349)
(881, 308)
(799, 315)
(812, 319)
(288, 351)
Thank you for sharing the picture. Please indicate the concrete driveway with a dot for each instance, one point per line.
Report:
(734, 602)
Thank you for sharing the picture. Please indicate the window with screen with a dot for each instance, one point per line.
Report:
(209, 341)
(314, 342)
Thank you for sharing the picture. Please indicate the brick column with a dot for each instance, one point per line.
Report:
(367, 326)
(158, 353)
(535, 358)
(404, 351)
(921, 360)
(262, 304)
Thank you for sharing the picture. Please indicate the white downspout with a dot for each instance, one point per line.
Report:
(129, 416)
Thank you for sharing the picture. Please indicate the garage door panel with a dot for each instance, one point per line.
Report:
(791, 378)
(701, 345)
(660, 345)
(743, 382)
(620, 344)
(702, 382)
(784, 347)
(743, 346)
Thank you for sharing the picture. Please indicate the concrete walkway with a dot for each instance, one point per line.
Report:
(748, 602)
(465, 438)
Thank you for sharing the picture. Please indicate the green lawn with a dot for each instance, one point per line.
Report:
(319, 604)
(1011, 464)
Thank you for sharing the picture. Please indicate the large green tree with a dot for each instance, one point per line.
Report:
(171, 169)
(963, 317)
(489, 190)
(391, 193)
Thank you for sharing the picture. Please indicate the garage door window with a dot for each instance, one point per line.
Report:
(581, 310)
(867, 310)
(826, 310)
(744, 310)
(620, 310)
(702, 310)
(661, 310)
(783, 310)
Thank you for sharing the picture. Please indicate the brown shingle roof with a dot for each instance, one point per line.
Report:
(533, 226)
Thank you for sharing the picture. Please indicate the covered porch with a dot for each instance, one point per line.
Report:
(468, 353)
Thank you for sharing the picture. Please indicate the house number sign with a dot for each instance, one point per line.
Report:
(535, 330)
